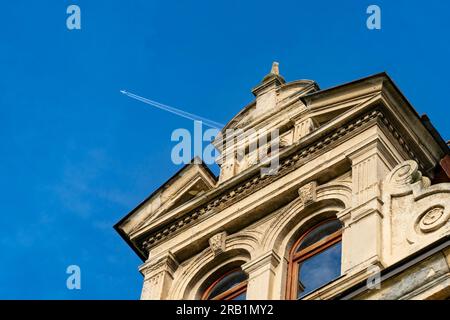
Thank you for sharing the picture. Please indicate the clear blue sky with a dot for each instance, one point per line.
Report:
(76, 155)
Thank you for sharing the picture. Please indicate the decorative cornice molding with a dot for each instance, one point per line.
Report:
(257, 182)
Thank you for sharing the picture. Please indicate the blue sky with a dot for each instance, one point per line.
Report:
(76, 155)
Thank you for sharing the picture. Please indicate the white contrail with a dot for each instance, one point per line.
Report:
(173, 110)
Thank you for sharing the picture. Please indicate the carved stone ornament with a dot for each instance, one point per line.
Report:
(217, 243)
(307, 193)
(433, 219)
(405, 173)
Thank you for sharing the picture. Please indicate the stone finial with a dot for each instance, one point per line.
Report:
(217, 243)
(275, 69)
(271, 81)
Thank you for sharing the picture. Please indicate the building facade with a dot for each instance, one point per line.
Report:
(358, 206)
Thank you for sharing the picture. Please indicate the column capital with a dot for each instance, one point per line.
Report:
(269, 259)
(158, 275)
(163, 262)
(261, 275)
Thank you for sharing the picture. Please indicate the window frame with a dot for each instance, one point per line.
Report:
(295, 258)
(230, 293)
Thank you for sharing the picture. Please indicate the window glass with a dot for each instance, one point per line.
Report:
(228, 282)
(319, 233)
(319, 270)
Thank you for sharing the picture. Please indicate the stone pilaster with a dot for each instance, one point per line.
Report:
(261, 274)
(158, 275)
(362, 225)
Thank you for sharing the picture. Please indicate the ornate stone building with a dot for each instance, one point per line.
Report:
(358, 208)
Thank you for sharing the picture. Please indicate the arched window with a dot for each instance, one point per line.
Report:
(315, 259)
(230, 286)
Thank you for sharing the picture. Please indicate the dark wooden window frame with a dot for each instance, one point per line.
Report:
(298, 257)
(230, 293)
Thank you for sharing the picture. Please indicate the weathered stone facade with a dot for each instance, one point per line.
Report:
(357, 152)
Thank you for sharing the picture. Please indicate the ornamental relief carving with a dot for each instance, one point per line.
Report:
(405, 178)
(404, 174)
(307, 193)
(433, 219)
(425, 212)
(217, 243)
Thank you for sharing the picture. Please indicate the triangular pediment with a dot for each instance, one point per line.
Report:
(191, 181)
